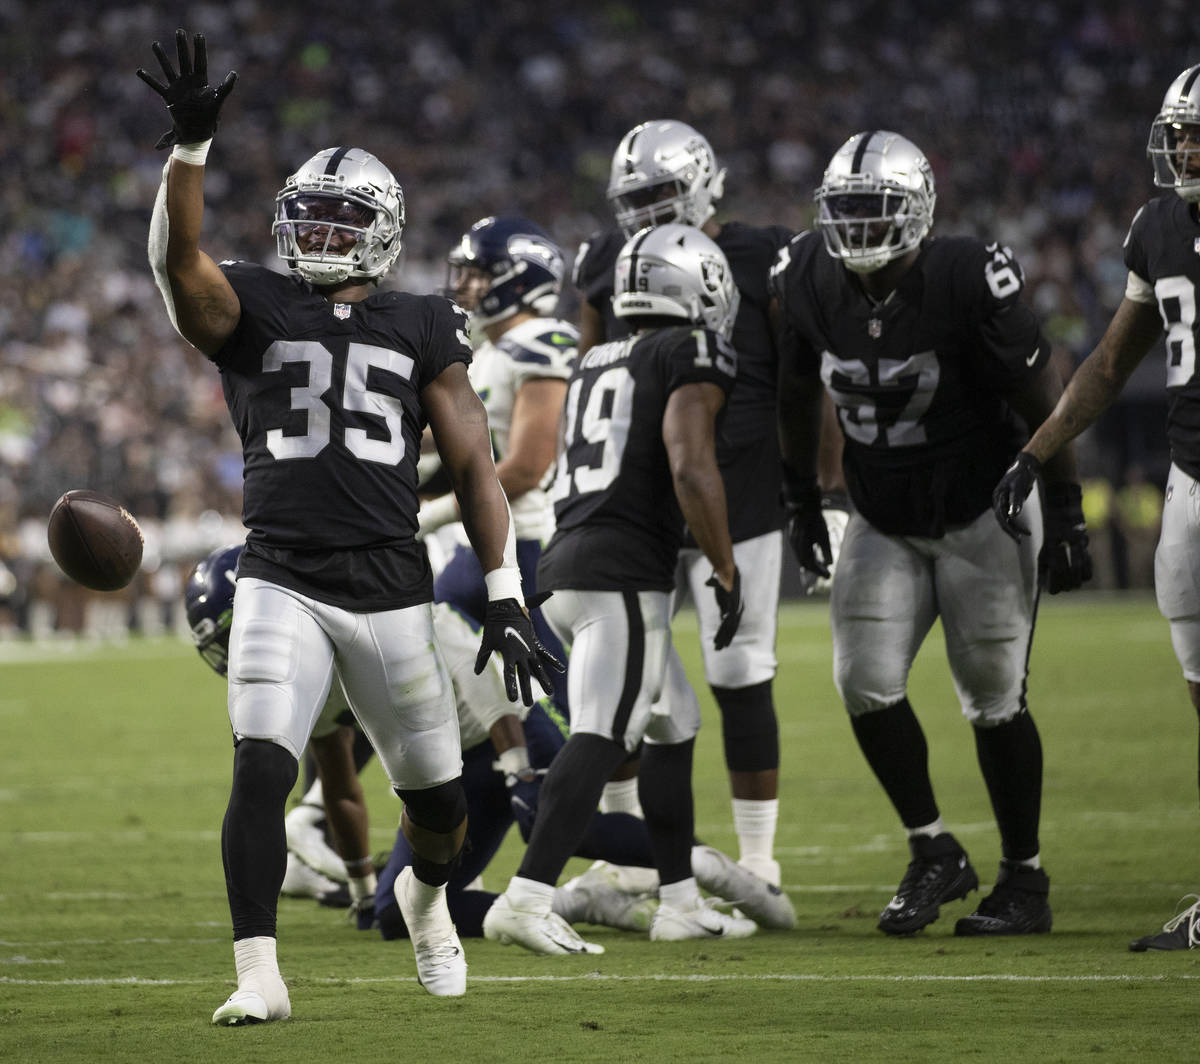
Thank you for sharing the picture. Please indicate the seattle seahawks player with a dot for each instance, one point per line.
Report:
(665, 171)
(506, 272)
(929, 352)
(329, 383)
(638, 460)
(1162, 252)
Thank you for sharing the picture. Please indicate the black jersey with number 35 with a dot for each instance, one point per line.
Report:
(326, 400)
(619, 526)
(918, 380)
(1163, 249)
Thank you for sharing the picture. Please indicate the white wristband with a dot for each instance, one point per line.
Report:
(192, 153)
(504, 583)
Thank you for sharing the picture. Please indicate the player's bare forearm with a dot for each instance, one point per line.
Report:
(1100, 379)
(532, 436)
(1035, 401)
(206, 306)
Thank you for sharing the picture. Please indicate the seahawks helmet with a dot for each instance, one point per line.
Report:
(1173, 149)
(339, 217)
(675, 271)
(876, 200)
(663, 171)
(524, 265)
(208, 600)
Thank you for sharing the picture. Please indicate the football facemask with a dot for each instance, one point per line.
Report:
(1174, 146)
(339, 217)
(876, 200)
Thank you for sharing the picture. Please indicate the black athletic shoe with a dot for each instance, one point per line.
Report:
(938, 872)
(1182, 931)
(1018, 905)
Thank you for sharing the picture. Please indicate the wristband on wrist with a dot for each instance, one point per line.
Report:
(195, 154)
(504, 583)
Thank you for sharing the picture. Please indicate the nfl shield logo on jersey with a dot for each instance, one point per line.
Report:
(874, 328)
(341, 311)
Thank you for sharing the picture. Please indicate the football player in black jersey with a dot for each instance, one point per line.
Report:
(329, 382)
(928, 352)
(1162, 252)
(665, 171)
(637, 461)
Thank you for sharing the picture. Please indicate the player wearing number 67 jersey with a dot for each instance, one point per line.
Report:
(1162, 251)
(638, 458)
(928, 352)
(329, 383)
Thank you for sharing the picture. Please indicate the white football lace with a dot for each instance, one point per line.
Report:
(1190, 914)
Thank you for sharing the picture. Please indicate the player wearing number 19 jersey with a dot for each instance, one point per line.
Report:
(1162, 251)
(928, 353)
(638, 459)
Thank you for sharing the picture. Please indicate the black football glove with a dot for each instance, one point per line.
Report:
(194, 105)
(730, 605)
(508, 630)
(1008, 498)
(1064, 563)
(806, 528)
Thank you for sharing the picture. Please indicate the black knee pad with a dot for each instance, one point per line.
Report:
(263, 770)
(438, 809)
(749, 727)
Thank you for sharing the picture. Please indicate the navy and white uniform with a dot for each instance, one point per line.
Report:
(747, 451)
(327, 401)
(918, 381)
(1162, 254)
(611, 562)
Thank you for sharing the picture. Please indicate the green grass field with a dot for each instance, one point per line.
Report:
(115, 944)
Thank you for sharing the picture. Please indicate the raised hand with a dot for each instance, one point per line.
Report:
(193, 104)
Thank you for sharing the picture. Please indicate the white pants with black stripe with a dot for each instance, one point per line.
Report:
(625, 681)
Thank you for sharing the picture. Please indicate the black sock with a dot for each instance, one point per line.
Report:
(569, 796)
(665, 791)
(749, 727)
(253, 844)
(1010, 757)
(894, 745)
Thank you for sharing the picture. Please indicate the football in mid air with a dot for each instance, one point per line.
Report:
(94, 540)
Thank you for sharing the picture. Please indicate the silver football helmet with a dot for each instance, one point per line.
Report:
(339, 217)
(876, 200)
(675, 271)
(1174, 146)
(663, 171)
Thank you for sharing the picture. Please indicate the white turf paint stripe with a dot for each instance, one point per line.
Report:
(597, 977)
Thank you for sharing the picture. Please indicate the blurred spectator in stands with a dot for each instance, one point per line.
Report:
(1138, 516)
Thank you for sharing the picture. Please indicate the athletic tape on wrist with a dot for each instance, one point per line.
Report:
(192, 153)
(504, 583)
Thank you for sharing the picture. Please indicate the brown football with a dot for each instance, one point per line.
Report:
(94, 540)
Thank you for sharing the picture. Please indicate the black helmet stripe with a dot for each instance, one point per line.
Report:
(861, 150)
(631, 282)
(335, 160)
(1186, 89)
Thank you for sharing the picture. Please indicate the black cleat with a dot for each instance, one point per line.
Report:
(938, 872)
(1182, 931)
(1018, 905)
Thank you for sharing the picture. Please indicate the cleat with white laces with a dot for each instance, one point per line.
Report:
(254, 1005)
(720, 874)
(590, 901)
(546, 933)
(304, 827)
(705, 921)
(441, 962)
(300, 881)
(1182, 931)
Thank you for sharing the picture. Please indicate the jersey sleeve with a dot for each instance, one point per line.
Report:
(1136, 257)
(548, 352)
(1009, 334)
(701, 355)
(592, 273)
(264, 310)
(446, 340)
(797, 355)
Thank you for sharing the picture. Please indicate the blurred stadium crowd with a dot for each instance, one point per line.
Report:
(1034, 115)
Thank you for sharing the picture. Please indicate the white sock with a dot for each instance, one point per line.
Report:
(929, 830)
(621, 796)
(362, 886)
(529, 895)
(754, 821)
(684, 894)
(1030, 862)
(254, 959)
